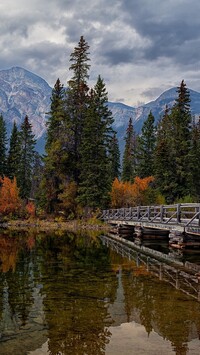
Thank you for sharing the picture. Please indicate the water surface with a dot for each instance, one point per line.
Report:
(63, 293)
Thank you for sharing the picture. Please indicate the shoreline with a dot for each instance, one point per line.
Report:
(42, 225)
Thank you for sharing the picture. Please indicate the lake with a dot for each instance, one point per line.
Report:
(67, 293)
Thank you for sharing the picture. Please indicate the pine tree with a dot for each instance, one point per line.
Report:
(129, 162)
(114, 156)
(13, 159)
(95, 182)
(3, 142)
(77, 99)
(27, 151)
(146, 147)
(55, 119)
(181, 142)
(57, 149)
(37, 173)
(164, 165)
(195, 166)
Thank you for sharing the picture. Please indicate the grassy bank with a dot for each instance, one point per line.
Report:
(47, 225)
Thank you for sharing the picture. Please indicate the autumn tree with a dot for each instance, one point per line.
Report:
(67, 198)
(127, 194)
(3, 142)
(129, 163)
(9, 196)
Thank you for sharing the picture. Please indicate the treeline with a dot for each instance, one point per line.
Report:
(80, 170)
(169, 152)
(81, 152)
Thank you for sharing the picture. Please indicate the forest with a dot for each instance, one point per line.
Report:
(82, 171)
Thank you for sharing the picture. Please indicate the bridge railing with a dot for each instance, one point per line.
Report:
(187, 214)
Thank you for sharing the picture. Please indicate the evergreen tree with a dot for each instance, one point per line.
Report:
(27, 152)
(57, 148)
(3, 141)
(114, 157)
(55, 119)
(101, 101)
(38, 172)
(146, 147)
(195, 166)
(95, 182)
(164, 165)
(181, 143)
(77, 100)
(129, 162)
(13, 159)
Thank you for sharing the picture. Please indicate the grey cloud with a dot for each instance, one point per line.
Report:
(121, 34)
(154, 92)
(168, 25)
(118, 56)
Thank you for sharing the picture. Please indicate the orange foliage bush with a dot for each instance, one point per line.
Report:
(30, 208)
(125, 194)
(9, 196)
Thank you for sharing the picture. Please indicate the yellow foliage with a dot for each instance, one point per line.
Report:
(68, 197)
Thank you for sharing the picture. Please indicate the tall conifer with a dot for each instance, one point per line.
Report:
(3, 141)
(146, 148)
(181, 142)
(27, 151)
(114, 156)
(77, 99)
(164, 165)
(195, 166)
(55, 169)
(129, 162)
(95, 182)
(13, 159)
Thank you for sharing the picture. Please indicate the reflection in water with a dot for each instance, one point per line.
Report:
(70, 294)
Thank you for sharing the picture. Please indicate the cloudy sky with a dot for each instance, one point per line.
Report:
(140, 47)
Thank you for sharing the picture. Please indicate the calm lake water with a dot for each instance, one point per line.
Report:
(63, 293)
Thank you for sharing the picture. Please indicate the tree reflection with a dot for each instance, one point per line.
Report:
(161, 309)
(16, 279)
(82, 289)
(77, 297)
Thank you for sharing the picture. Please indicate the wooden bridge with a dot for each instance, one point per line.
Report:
(177, 218)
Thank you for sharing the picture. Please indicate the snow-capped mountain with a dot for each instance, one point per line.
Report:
(24, 93)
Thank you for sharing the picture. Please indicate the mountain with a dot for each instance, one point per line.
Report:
(122, 113)
(24, 93)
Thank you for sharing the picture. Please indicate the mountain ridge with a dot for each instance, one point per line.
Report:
(25, 93)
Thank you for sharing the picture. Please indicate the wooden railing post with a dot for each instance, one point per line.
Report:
(148, 213)
(138, 213)
(199, 215)
(161, 213)
(178, 213)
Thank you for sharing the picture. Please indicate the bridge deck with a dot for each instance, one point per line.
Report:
(177, 217)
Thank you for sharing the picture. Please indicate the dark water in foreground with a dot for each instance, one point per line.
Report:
(70, 294)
